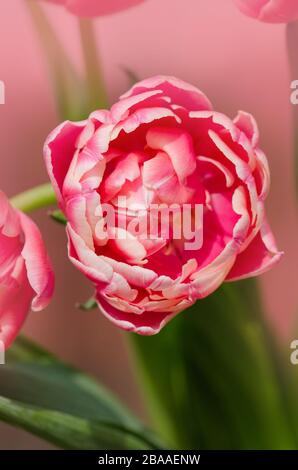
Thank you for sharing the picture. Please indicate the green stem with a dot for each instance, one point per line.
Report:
(35, 198)
(292, 42)
(94, 76)
(69, 91)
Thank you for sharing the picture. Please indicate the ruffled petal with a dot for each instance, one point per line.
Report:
(92, 265)
(178, 145)
(59, 150)
(15, 301)
(259, 256)
(180, 92)
(92, 8)
(146, 324)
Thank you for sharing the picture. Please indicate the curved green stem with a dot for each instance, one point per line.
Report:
(35, 198)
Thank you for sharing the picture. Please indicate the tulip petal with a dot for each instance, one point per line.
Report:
(59, 150)
(259, 256)
(146, 324)
(180, 92)
(178, 145)
(126, 245)
(247, 124)
(39, 269)
(92, 265)
(15, 301)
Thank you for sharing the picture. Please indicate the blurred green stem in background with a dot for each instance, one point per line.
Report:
(35, 198)
(292, 44)
(94, 76)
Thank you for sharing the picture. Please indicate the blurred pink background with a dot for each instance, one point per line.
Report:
(238, 62)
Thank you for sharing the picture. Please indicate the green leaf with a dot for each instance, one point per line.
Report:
(58, 216)
(91, 304)
(214, 378)
(63, 401)
(70, 432)
(131, 75)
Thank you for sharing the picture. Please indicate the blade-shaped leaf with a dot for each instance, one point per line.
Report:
(33, 378)
(70, 432)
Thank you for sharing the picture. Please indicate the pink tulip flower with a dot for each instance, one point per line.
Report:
(161, 144)
(26, 276)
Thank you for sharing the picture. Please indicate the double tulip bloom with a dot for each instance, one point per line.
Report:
(270, 11)
(26, 276)
(162, 143)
